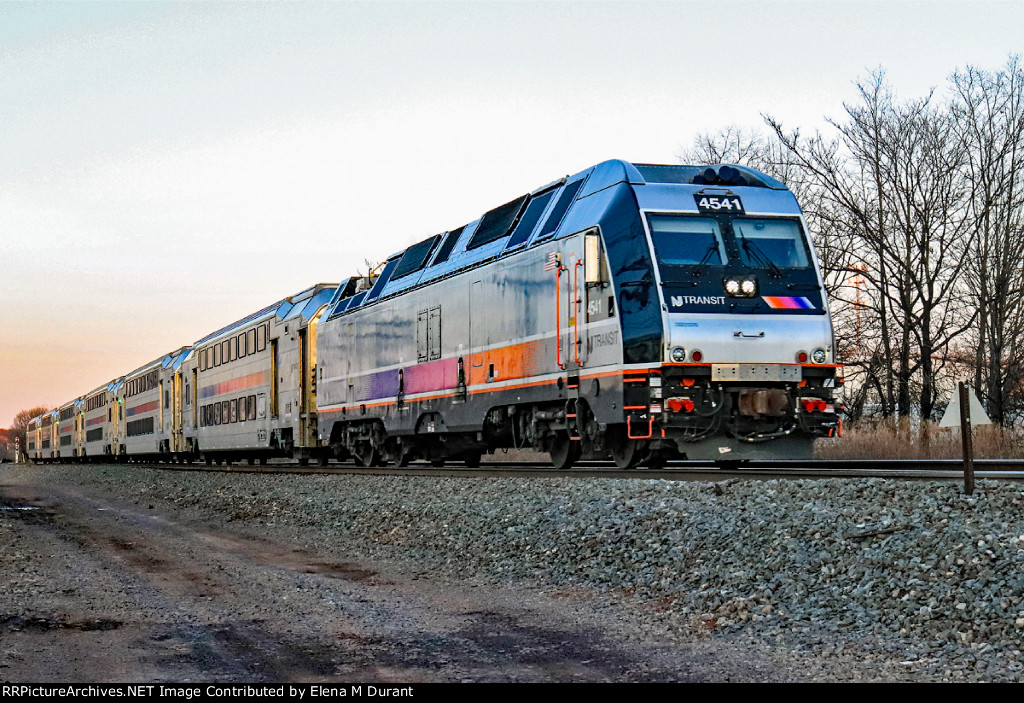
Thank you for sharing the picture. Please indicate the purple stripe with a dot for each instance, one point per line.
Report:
(422, 378)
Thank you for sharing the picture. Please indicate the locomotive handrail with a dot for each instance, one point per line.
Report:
(576, 317)
(558, 315)
(650, 429)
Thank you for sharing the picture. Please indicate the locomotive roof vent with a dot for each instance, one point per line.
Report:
(717, 175)
(724, 176)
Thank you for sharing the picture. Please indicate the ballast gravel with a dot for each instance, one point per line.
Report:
(897, 580)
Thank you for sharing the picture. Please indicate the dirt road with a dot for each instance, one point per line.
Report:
(101, 590)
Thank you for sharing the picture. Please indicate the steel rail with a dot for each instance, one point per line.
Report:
(908, 469)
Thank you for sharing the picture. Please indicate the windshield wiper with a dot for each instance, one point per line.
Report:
(755, 253)
(704, 260)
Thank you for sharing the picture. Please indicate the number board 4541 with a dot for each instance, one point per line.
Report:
(718, 203)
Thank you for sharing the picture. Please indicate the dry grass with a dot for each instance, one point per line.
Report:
(897, 440)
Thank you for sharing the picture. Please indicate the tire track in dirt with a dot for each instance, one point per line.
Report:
(173, 599)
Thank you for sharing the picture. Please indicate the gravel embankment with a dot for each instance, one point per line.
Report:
(913, 578)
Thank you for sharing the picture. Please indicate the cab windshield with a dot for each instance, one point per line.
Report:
(688, 246)
(681, 241)
(777, 241)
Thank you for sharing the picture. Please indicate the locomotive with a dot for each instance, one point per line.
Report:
(632, 311)
(638, 311)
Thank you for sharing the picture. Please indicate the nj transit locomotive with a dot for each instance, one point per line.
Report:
(639, 311)
(634, 311)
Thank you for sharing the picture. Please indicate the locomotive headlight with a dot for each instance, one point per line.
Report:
(679, 355)
(741, 287)
(818, 356)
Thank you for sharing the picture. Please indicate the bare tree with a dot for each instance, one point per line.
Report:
(989, 112)
(21, 420)
(891, 177)
(846, 173)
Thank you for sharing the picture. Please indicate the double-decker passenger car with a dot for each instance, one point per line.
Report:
(33, 439)
(144, 426)
(98, 420)
(67, 431)
(256, 389)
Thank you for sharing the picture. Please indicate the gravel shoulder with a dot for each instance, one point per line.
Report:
(129, 574)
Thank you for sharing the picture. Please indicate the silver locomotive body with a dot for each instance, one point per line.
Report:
(631, 311)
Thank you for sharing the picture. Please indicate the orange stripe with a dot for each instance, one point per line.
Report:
(602, 375)
(515, 361)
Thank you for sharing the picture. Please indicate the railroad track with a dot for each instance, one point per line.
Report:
(909, 469)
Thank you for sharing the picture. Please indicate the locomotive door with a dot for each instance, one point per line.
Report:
(569, 317)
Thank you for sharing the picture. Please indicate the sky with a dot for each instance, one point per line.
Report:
(168, 168)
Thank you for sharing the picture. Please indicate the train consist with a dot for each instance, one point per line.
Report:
(631, 311)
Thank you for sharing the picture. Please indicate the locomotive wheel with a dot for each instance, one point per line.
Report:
(401, 452)
(627, 453)
(656, 460)
(403, 458)
(564, 452)
(437, 462)
(472, 460)
(367, 455)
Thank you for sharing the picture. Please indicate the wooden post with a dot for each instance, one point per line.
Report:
(965, 438)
